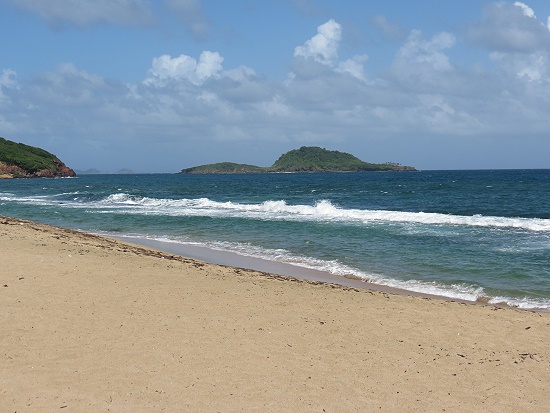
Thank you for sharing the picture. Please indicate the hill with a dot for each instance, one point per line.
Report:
(305, 159)
(224, 168)
(315, 159)
(18, 160)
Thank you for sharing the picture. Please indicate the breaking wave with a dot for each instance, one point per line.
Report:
(322, 211)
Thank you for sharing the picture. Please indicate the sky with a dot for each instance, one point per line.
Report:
(162, 85)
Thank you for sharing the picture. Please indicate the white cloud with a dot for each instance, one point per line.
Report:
(323, 47)
(240, 73)
(276, 107)
(423, 65)
(185, 67)
(534, 67)
(210, 63)
(517, 40)
(326, 99)
(528, 11)
(428, 52)
(510, 28)
(354, 67)
(439, 113)
(85, 12)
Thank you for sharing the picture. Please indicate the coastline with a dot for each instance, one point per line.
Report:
(97, 324)
(232, 259)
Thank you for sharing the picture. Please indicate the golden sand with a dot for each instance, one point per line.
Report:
(90, 324)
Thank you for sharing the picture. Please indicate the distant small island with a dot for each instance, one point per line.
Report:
(94, 171)
(18, 160)
(305, 159)
(91, 171)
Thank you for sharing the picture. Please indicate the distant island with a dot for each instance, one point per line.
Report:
(305, 159)
(94, 171)
(91, 171)
(18, 160)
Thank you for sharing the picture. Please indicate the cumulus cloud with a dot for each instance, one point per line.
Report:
(518, 42)
(423, 65)
(354, 66)
(528, 11)
(424, 95)
(185, 67)
(510, 28)
(533, 67)
(84, 12)
(323, 47)
(192, 16)
(428, 52)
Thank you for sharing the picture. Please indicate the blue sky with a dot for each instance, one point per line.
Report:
(157, 86)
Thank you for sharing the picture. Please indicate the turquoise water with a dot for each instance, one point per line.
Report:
(462, 234)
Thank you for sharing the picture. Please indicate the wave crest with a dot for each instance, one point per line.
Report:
(279, 210)
(323, 210)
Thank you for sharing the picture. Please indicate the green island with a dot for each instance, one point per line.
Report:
(305, 159)
(18, 160)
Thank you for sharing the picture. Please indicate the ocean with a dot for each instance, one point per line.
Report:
(474, 235)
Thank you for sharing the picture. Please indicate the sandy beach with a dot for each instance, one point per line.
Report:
(92, 324)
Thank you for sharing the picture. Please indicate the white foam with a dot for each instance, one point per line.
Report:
(455, 291)
(280, 210)
(322, 211)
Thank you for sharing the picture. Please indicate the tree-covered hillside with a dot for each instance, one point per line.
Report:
(20, 160)
(305, 159)
(315, 159)
(224, 168)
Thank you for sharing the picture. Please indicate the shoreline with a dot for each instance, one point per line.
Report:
(233, 259)
(97, 324)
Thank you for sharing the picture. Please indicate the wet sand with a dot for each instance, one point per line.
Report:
(96, 324)
(232, 259)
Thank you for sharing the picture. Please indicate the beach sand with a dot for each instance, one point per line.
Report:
(90, 324)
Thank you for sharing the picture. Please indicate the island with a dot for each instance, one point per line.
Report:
(305, 159)
(18, 160)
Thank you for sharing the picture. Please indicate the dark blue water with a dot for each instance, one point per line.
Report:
(464, 234)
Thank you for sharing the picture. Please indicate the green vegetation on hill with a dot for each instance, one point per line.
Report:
(305, 159)
(224, 168)
(18, 160)
(28, 158)
(315, 159)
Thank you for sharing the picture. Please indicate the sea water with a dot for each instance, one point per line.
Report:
(473, 235)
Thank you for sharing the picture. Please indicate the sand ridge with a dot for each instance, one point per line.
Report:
(94, 324)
